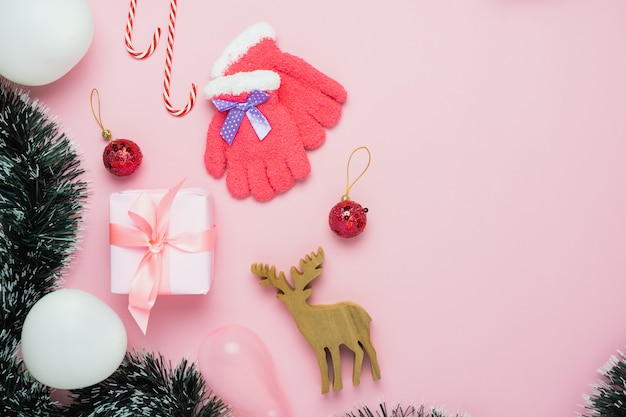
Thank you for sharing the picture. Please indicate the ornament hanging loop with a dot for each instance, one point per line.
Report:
(106, 133)
(348, 218)
(121, 157)
(349, 184)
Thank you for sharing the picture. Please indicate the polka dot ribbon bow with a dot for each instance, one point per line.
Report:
(236, 111)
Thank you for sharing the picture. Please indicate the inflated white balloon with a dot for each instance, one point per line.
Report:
(72, 339)
(41, 40)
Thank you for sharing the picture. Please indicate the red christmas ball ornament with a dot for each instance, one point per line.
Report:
(347, 218)
(122, 157)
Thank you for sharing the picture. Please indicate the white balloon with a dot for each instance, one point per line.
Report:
(72, 339)
(41, 40)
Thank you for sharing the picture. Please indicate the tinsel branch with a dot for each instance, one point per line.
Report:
(20, 396)
(401, 411)
(609, 394)
(41, 198)
(145, 385)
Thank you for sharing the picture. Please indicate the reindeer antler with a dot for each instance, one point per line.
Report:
(268, 273)
(311, 267)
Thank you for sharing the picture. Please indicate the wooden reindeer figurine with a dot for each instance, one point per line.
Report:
(325, 327)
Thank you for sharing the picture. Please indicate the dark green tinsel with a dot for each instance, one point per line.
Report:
(145, 385)
(41, 198)
(609, 395)
(400, 411)
(20, 396)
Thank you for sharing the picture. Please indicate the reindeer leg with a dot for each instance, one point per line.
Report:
(371, 352)
(323, 364)
(336, 358)
(358, 364)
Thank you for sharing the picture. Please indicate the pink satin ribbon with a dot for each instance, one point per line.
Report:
(151, 215)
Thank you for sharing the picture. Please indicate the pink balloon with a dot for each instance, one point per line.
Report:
(239, 368)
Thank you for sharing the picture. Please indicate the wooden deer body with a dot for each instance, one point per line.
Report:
(325, 326)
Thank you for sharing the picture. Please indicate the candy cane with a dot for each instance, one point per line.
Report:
(129, 33)
(168, 69)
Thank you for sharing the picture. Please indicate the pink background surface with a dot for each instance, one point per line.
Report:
(493, 260)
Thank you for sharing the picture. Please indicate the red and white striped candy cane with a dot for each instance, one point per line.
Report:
(168, 69)
(168, 58)
(129, 34)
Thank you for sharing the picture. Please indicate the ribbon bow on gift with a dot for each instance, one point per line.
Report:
(236, 111)
(151, 215)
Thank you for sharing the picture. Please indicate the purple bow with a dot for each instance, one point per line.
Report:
(236, 111)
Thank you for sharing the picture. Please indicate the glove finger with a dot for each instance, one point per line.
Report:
(312, 134)
(259, 182)
(279, 175)
(289, 142)
(308, 74)
(299, 164)
(302, 98)
(215, 150)
(237, 181)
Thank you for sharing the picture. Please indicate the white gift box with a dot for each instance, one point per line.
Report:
(189, 273)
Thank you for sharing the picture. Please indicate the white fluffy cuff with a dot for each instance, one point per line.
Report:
(242, 82)
(240, 45)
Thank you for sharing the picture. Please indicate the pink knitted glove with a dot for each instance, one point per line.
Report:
(313, 98)
(252, 137)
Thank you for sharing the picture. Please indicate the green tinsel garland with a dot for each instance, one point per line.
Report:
(146, 386)
(400, 411)
(41, 200)
(609, 395)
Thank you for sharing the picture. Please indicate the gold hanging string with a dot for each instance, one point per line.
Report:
(348, 184)
(106, 133)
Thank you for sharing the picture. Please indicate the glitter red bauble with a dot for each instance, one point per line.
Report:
(347, 218)
(122, 157)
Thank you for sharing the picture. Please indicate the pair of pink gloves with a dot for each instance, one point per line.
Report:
(272, 107)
